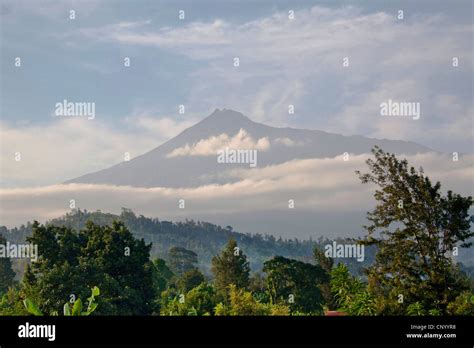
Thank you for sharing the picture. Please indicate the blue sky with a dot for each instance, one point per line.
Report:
(190, 62)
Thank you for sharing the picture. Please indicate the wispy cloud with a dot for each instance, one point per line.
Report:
(299, 62)
(70, 147)
(210, 146)
(282, 62)
(316, 185)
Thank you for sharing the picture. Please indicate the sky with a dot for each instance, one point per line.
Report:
(282, 61)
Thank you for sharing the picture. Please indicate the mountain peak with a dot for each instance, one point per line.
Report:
(228, 114)
(225, 121)
(157, 169)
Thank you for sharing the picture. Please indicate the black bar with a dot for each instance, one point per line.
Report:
(242, 330)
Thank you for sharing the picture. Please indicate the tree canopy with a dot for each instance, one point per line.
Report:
(295, 283)
(7, 275)
(230, 267)
(70, 263)
(417, 230)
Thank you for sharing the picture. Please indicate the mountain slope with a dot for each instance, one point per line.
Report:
(156, 168)
(204, 238)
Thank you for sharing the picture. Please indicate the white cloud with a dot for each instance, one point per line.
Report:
(288, 142)
(286, 61)
(451, 115)
(210, 146)
(163, 127)
(316, 185)
(282, 62)
(70, 147)
(51, 9)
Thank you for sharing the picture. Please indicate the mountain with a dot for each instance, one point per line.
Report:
(159, 167)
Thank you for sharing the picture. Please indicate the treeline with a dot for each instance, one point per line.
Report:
(112, 260)
(416, 230)
(204, 238)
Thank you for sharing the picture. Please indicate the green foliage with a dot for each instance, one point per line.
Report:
(203, 238)
(221, 310)
(77, 307)
(11, 303)
(363, 304)
(418, 226)
(32, 308)
(416, 308)
(463, 304)
(71, 262)
(190, 280)
(295, 283)
(162, 279)
(161, 274)
(257, 285)
(242, 303)
(230, 267)
(350, 294)
(200, 300)
(7, 275)
(182, 260)
(326, 263)
(413, 227)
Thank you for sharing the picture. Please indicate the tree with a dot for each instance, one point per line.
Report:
(70, 309)
(161, 274)
(190, 280)
(11, 303)
(242, 302)
(162, 278)
(200, 300)
(350, 294)
(295, 283)
(182, 260)
(415, 228)
(230, 267)
(257, 287)
(463, 304)
(326, 264)
(7, 275)
(70, 263)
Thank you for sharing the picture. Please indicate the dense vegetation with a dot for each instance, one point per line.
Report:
(206, 240)
(144, 266)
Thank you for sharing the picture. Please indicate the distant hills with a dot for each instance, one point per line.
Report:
(206, 240)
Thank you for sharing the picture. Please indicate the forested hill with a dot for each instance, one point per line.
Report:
(204, 238)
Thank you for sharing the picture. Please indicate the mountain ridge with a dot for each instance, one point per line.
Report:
(156, 168)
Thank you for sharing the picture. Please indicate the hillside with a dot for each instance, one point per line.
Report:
(204, 238)
(207, 240)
